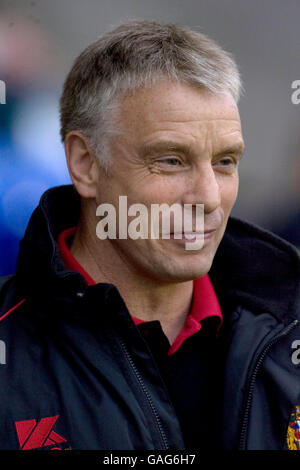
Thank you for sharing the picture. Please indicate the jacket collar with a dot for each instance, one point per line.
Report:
(39, 265)
(252, 267)
(258, 269)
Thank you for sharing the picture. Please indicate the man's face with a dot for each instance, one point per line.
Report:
(177, 144)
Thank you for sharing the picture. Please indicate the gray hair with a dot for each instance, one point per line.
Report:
(135, 54)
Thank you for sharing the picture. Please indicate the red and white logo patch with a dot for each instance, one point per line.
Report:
(35, 435)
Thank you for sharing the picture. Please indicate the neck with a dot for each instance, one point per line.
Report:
(146, 298)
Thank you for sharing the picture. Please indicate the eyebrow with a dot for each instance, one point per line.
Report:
(166, 145)
(237, 149)
(169, 145)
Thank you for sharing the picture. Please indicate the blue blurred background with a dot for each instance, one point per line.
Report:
(39, 41)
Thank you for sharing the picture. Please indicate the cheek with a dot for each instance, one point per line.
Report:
(156, 189)
(229, 193)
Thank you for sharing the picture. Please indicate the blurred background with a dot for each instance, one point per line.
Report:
(39, 40)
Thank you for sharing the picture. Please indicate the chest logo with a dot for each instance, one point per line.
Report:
(293, 431)
(35, 435)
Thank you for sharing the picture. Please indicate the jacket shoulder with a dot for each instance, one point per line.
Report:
(8, 295)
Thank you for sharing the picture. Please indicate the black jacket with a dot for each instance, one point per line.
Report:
(78, 374)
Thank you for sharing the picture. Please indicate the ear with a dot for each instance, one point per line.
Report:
(82, 163)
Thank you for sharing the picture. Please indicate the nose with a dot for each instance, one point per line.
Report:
(203, 188)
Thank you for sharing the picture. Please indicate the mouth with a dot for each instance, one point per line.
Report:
(191, 236)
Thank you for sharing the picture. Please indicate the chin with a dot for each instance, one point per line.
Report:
(183, 272)
(169, 266)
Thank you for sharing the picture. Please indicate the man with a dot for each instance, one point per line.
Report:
(137, 342)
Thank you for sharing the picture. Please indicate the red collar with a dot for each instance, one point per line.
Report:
(205, 303)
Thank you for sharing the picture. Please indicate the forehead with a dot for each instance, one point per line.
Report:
(176, 108)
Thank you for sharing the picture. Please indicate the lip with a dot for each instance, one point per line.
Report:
(191, 236)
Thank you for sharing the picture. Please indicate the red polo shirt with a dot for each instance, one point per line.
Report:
(205, 303)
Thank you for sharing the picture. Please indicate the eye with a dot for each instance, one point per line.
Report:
(226, 164)
(227, 161)
(170, 161)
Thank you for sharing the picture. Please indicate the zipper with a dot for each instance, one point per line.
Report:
(147, 395)
(286, 331)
